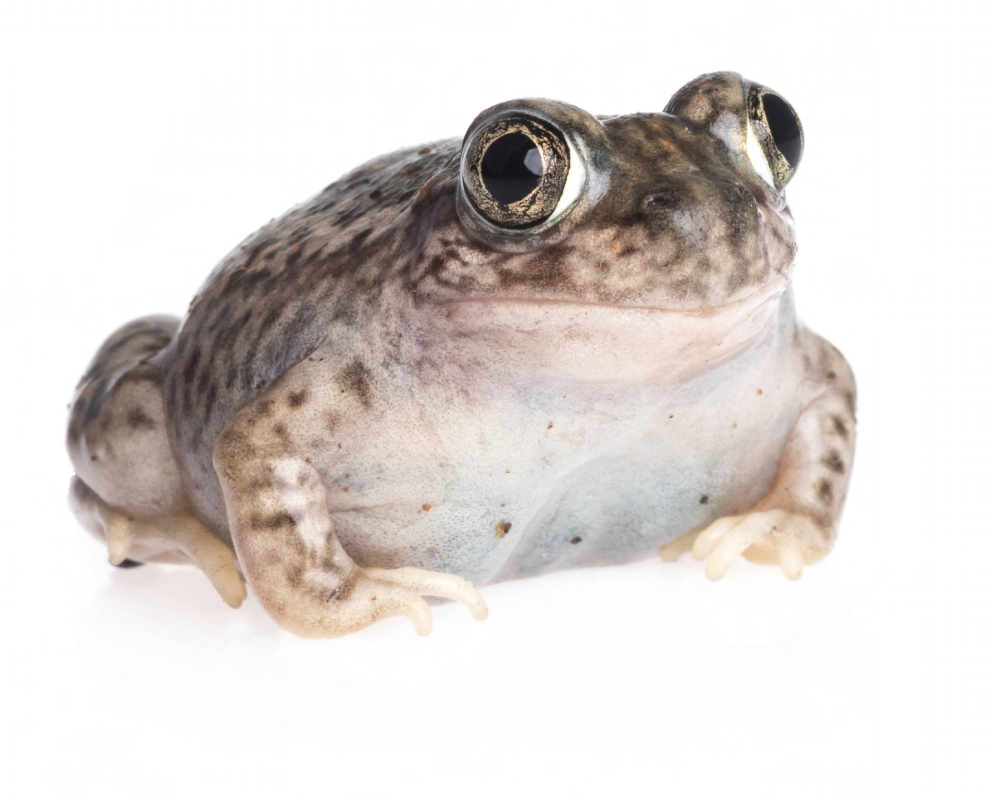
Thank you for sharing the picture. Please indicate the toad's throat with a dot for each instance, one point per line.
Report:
(599, 340)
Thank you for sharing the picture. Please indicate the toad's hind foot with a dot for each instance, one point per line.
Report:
(177, 538)
(381, 593)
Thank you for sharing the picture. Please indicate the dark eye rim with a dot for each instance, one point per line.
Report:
(538, 205)
(779, 131)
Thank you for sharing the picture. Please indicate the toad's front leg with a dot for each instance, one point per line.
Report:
(291, 556)
(795, 523)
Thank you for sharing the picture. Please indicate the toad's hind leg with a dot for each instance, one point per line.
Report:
(282, 529)
(127, 489)
(176, 539)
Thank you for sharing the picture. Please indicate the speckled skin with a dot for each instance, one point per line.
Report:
(379, 386)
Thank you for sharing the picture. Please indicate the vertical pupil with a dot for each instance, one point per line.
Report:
(511, 168)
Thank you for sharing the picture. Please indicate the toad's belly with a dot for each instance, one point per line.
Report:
(494, 518)
(519, 486)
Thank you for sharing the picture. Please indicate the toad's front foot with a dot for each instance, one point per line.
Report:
(765, 536)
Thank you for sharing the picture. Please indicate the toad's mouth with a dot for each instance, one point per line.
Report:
(456, 307)
(761, 294)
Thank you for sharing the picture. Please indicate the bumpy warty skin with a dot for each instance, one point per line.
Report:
(488, 403)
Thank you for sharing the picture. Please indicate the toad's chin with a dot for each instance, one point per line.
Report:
(597, 341)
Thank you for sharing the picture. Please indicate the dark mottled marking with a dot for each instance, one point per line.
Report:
(825, 491)
(575, 540)
(293, 574)
(137, 418)
(189, 367)
(704, 500)
(296, 399)
(834, 461)
(840, 427)
(273, 522)
(831, 375)
(358, 240)
(502, 529)
(357, 379)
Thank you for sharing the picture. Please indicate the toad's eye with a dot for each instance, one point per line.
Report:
(519, 172)
(774, 139)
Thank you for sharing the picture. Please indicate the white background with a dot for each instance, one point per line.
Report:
(141, 141)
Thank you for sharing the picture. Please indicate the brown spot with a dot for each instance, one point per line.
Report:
(190, 366)
(671, 416)
(550, 425)
(760, 391)
(345, 488)
(834, 461)
(825, 491)
(502, 505)
(831, 375)
(296, 399)
(503, 528)
(137, 418)
(734, 424)
(423, 151)
(839, 427)
(280, 430)
(357, 379)
(704, 500)
(575, 540)
(426, 506)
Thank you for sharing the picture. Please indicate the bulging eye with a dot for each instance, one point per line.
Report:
(774, 136)
(520, 171)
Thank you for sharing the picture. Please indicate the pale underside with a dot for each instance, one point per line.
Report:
(546, 436)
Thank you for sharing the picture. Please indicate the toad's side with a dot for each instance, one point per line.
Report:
(564, 341)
